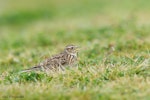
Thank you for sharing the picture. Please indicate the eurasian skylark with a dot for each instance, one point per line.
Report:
(58, 62)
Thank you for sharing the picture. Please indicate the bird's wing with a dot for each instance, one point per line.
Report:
(48, 63)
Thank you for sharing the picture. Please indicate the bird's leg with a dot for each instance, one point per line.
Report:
(61, 67)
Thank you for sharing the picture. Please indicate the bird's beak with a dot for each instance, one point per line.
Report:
(77, 48)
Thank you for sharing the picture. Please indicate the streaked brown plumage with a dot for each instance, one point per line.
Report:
(66, 58)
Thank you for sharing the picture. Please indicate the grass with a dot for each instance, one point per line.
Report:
(31, 32)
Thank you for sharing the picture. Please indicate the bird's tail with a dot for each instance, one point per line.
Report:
(35, 68)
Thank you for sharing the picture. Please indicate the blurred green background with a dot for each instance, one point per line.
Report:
(59, 20)
(18, 12)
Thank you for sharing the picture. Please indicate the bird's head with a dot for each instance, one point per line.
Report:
(71, 49)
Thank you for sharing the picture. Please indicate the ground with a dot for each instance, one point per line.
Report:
(33, 30)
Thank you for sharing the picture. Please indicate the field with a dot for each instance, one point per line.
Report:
(32, 30)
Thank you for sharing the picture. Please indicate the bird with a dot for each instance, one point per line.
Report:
(68, 57)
